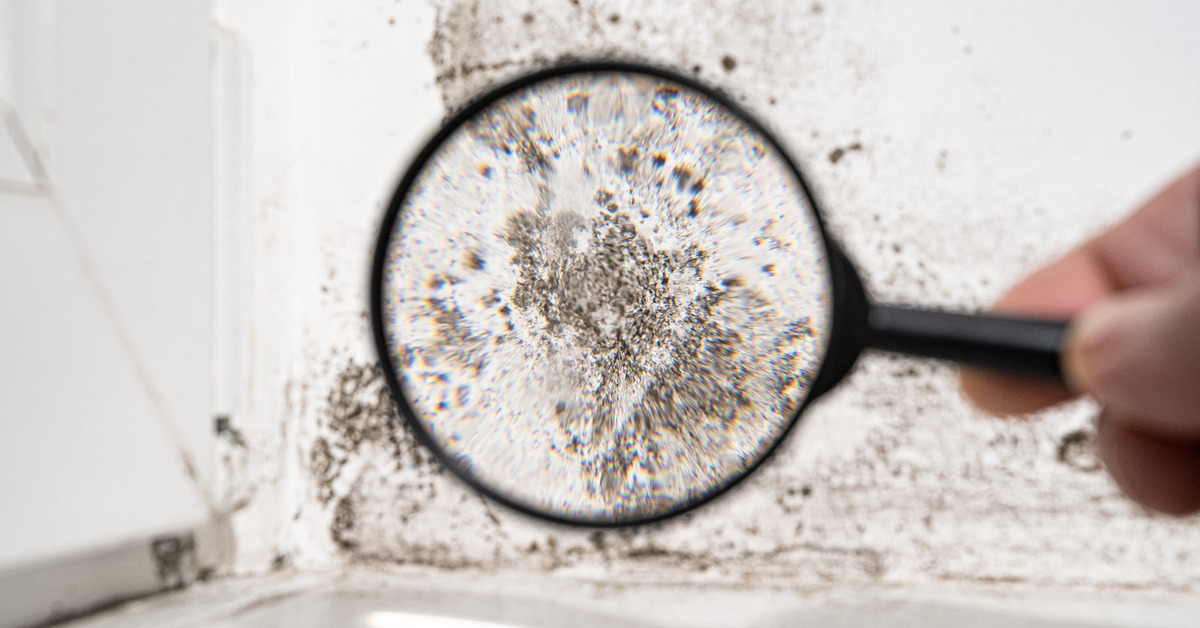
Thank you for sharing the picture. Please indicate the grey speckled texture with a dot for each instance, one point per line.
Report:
(944, 196)
(641, 308)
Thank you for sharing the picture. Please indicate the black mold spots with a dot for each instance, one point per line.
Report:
(1078, 450)
(359, 413)
(575, 299)
(658, 160)
(836, 154)
(614, 18)
(528, 18)
(682, 176)
(174, 560)
(281, 562)
(474, 261)
(342, 528)
(693, 208)
(360, 422)
(603, 197)
(485, 170)
(769, 269)
(728, 63)
(627, 158)
(792, 499)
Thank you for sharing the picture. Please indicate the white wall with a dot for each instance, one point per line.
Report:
(105, 274)
(993, 137)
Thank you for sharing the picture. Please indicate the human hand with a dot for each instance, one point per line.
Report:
(1133, 294)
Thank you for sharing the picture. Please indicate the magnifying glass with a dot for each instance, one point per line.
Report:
(603, 294)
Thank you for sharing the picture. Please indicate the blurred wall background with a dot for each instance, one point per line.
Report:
(197, 246)
(106, 219)
(107, 336)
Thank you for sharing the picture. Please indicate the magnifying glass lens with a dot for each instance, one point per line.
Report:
(605, 296)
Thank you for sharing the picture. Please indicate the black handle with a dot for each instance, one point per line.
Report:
(1021, 346)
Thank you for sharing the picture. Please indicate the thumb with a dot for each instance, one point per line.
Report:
(1138, 353)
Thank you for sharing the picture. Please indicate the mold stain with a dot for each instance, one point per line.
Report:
(822, 507)
(174, 560)
(476, 44)
(614, 301)
(359, 420)
(1077, 449)
(837, 154)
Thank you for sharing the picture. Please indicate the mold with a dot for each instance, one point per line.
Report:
(837, 154)
(682, 175)
(1077, 449)
(359, 419)
(174, 560)
(342, 528)
(892, 479)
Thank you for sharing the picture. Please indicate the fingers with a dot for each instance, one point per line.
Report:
(1152, 247)
(1161, 474)
(1009, 395)
(1134, 296)
(1059, 291)
(1156, 242)
(1139, 354)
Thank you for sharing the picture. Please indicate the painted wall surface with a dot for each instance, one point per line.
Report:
(105, 276)
(955, 147)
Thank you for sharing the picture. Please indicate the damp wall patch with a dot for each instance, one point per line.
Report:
(931, 165)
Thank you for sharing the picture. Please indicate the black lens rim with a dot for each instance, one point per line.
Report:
(838, 285)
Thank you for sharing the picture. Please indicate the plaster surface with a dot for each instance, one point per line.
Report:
(953, 148)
